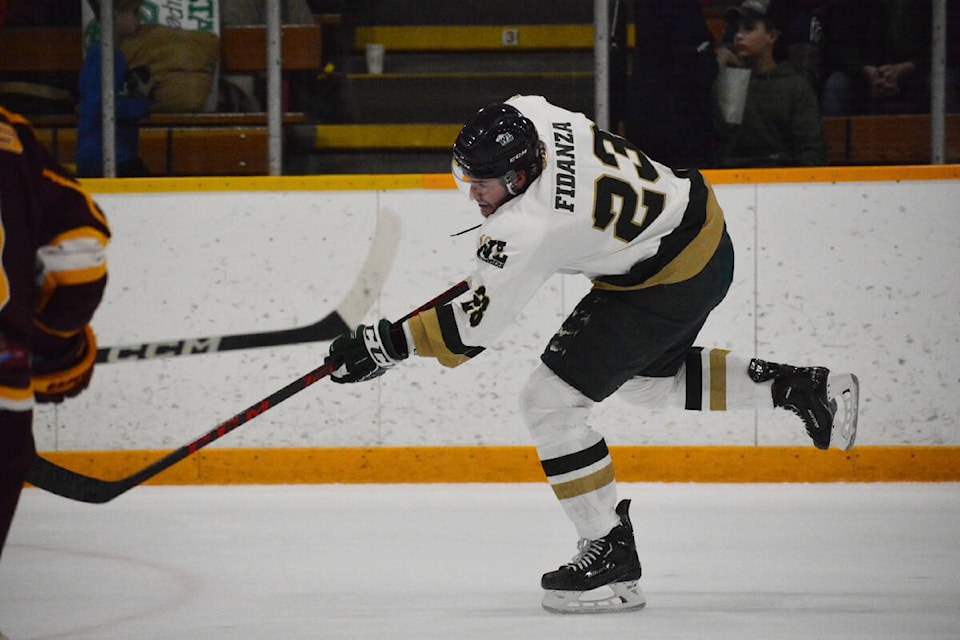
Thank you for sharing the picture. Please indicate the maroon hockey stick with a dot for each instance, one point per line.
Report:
(70, 484)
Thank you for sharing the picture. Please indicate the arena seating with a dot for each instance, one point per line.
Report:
(438, 70)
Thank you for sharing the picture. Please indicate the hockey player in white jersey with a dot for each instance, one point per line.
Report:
(560, 195)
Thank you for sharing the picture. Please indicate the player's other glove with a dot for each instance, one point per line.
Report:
(66, 372)
(365, 354)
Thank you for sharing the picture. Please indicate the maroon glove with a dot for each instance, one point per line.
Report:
(66, 373)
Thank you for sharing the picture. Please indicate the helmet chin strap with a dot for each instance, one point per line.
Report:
(511, 179)
(510, 182)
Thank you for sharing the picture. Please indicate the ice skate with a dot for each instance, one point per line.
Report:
(828, 403)
(603, 577)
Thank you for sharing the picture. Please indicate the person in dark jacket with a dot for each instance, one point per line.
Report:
(132, 88)
(667, 107)
(780, 124)
(877, 57)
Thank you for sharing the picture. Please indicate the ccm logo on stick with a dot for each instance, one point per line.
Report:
(163, 349)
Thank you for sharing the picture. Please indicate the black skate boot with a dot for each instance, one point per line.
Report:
(827, 403)
(610, 563)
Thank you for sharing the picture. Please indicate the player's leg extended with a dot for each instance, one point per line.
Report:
(708, 380)
(717, 380)
(827, 402)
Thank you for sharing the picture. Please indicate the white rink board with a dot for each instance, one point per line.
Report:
(856, 276)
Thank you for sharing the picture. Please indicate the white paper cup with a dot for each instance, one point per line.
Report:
(732, 84)
(375, 58)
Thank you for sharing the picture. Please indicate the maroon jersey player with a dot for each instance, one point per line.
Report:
(53, 239)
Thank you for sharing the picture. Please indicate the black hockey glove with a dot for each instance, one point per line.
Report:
(364, 354)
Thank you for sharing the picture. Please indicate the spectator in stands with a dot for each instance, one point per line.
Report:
(801, 35)
(877, 57)
(132, 89)
(673, 68)
(780, 121)
(182, 62)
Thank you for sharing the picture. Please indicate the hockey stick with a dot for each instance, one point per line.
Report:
(346, 316)
(70, 484)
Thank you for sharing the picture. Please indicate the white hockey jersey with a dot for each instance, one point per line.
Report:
(600, 208)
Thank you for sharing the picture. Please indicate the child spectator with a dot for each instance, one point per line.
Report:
(780, 124)
(132, 89)
(801, 35)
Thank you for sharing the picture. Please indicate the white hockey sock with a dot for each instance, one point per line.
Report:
(584, 482)
(574, 457)
(710, 380)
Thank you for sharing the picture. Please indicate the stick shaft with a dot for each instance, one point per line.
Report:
(69, 484)
(351, 310)
(326, 329)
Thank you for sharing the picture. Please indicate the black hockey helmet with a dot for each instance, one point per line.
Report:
(497, 142)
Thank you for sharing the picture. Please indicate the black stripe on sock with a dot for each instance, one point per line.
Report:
(574, 461)
(694, 380)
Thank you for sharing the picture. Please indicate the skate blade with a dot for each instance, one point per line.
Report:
(616, 597)
(845, 390)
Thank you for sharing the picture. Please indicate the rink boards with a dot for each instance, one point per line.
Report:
(850, 267)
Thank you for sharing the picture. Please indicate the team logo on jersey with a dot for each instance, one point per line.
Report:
(491, 251)
(476, 307)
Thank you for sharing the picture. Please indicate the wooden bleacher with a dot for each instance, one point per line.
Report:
(412, 47)
(457, 66)
(855, 140)
(887, 139)
(861, 140)
(455, 38)
(897, 139)
(201, 144)
(38, 50)
(188, 144)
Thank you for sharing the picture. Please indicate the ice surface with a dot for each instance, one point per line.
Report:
(463, 562)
